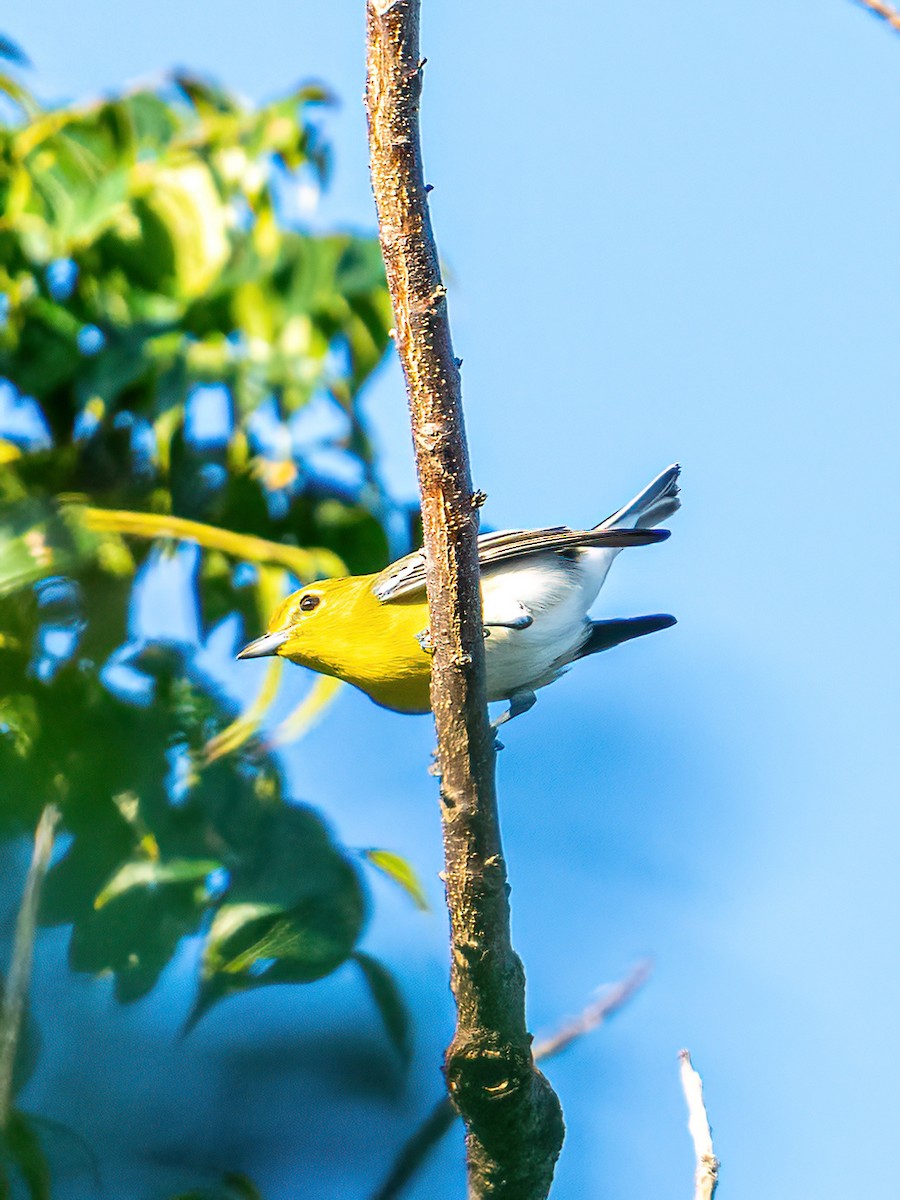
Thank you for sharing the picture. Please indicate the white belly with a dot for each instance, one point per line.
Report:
(558, 594)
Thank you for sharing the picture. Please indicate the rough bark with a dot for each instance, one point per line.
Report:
(514, 1127)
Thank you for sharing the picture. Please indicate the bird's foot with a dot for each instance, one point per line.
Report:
(519, 702)
(424, 640)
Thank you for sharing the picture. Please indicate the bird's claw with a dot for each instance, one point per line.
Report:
(434, 769)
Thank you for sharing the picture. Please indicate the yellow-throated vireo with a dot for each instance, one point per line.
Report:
(537, 587)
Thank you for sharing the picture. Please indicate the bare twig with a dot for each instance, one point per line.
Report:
(606, 1005)
(441, 1118)
(514, 1126)
(887, 12)
(16, 992)
(706, 1175)
(417, 1148)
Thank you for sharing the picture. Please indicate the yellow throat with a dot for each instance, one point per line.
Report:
(350, 634)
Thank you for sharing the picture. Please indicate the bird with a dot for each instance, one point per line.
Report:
(537, 587)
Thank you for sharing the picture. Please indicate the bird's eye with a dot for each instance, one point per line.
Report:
(308, 603)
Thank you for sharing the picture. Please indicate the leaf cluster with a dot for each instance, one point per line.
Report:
(145, 263)
(166, 327)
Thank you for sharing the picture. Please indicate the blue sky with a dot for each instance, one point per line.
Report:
(670, 234)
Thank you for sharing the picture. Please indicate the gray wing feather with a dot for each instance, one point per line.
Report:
(406, 577)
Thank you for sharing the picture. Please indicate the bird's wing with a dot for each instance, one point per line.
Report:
(406, 577)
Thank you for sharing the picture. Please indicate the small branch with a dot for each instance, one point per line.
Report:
(417, 1148)
(706, 1175)
(440, 1120)
(312, 563)
(514, 1127)
(16, 993)
(887, 12)
(605, 1006)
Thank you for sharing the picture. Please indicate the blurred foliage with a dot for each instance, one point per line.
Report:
(167, 327)
(232, 1186)
(399, 870)
(24, 1169)
(141, 257)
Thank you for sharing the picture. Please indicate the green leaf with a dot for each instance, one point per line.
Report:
(22, 1160)
(401, 872)
(18, 93)
(357, 536)
(148, 873)
(161, 289)
(19, 724)
(205, 95)
(37, 540)
(184, 202)
(221, 594)
(389, 1002)
(135, 936)
(153, 120)
(295, 912)
(254, 944)
(287, 857)
(232, 1186)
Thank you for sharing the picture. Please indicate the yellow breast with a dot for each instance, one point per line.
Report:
(369, 644)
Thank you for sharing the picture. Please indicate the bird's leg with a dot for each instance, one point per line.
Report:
(519, 702)
(511, 615)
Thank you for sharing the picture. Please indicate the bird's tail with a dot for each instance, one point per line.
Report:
(606, 634)
(655, 503)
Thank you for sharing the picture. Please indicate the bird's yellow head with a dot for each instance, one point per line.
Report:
(302, 621)
(320, 625)
(339, 627)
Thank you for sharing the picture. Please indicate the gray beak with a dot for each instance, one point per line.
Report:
(264, 646)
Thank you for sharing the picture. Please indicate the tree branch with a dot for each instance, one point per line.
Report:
(706, 1175)
(514, 1126)
(607, 1004)
(441, 1118)
(306, 563)
(887, 12)
(16, 991)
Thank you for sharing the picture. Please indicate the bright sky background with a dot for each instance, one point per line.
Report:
(671, 233)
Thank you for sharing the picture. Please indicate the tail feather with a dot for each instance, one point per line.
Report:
(606, 634)
(658, 501)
